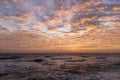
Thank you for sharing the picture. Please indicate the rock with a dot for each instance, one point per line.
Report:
(3, 74)
(81, 60)
(50, 78)
(94, 79)
(117, 64)
(8, 57)
(38, 60)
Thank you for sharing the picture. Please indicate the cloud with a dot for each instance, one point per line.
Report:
(62, 18)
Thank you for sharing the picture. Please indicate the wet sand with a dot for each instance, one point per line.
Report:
(59, 66)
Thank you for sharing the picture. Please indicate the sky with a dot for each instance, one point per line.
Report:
(60, 26)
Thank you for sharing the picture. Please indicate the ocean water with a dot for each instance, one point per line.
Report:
(59, 66)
